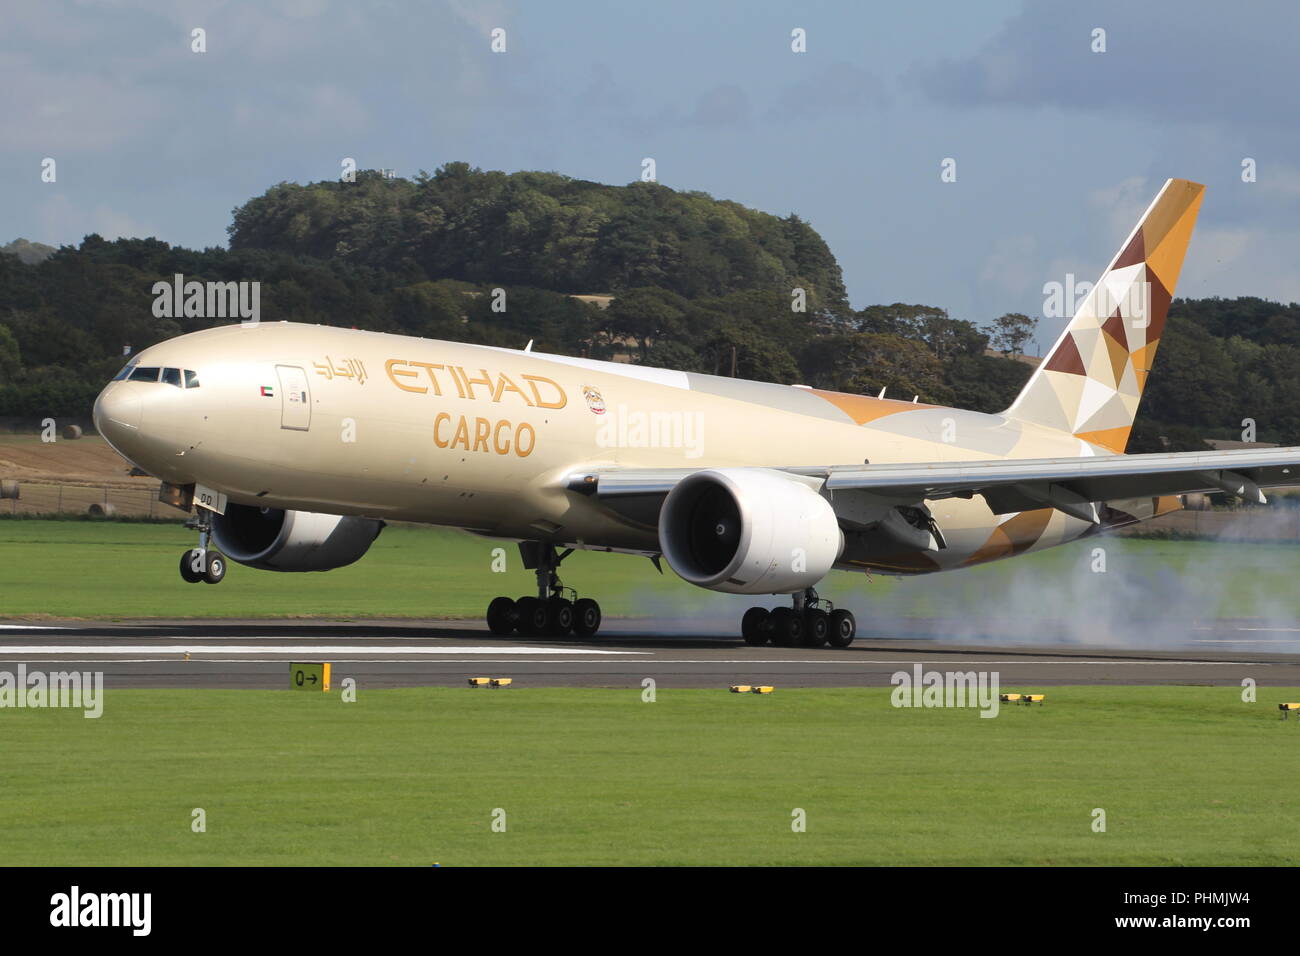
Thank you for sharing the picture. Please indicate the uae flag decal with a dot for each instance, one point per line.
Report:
(268, 392)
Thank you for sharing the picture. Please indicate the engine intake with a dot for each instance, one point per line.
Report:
(748, 531)
(276, 540)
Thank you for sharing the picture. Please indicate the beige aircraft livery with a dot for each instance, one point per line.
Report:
(293, 443)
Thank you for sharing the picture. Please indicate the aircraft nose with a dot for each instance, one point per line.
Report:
(117, 414)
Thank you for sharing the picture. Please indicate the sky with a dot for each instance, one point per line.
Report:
(1057, 147)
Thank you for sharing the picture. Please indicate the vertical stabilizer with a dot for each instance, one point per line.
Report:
(1091, 382)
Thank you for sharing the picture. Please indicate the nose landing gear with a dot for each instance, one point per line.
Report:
(556, 610)
(202, 563)
(810, 622)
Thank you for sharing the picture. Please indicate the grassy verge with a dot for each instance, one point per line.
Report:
(107, 570)
(1185, 775)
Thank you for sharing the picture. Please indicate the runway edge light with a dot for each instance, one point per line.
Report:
(313, 675)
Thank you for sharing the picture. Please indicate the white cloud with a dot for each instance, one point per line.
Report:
(1010, 267)
(1122, 205)
(61, 221)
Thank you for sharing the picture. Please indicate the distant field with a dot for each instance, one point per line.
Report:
(97, 569)
(88, 459)
(1185, 775)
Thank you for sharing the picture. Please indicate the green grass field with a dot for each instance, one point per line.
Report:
(109, 570)
(1186, 775)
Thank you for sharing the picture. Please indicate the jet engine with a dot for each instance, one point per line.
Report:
(276, 540)
(748, 531)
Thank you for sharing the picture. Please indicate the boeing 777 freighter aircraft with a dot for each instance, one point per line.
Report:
(293, 443)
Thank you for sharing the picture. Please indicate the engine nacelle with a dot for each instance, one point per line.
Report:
(276, 540)
(748, 531)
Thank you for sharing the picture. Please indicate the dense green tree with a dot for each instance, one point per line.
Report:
(1192, 381)
(985, 383)
(866, 362)
(643, 316)
(674, 354)
(11, 360)
(1009, 333)
(543, 230)
(698, 284)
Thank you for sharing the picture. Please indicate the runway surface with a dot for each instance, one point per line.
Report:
(253, 654)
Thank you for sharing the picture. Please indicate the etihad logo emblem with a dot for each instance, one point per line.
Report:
(594, 401)
(542, 392)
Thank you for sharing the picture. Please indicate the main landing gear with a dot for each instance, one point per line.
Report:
(202, 563)
(556, 611)
(810, 622)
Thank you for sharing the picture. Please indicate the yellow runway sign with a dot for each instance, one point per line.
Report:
(309, 676)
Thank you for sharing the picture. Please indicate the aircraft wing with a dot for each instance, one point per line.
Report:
(1071, 485)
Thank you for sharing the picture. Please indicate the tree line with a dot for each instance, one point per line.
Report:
(696, 283)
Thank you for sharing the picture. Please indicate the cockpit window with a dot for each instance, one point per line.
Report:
(180, 377)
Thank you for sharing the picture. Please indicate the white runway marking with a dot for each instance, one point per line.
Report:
(322, 650)
(29, 627)
(1248, 640)
(331, 655)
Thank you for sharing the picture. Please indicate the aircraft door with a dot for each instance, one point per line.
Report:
(295, 398)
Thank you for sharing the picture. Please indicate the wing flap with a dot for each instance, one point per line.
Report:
(1241, 472)
(1068, 484)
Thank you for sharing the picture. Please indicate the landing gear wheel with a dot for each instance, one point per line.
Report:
(214, 567)
(532, 616)
(586, 617)
(816, 627)
(189, 561)
(756, 626)
(787, 627)
(843, 628)
(559, 617)
(501, 616)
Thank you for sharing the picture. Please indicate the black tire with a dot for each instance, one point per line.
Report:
(532, 616)
(844, 627)
(188, 574)
(816, 627)
(787, 627)
(559, 617)
(586, 617)
(214, 567)
(756, 626)
(501, 616)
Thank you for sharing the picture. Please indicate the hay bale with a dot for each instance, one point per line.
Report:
(71, 432)
(102, 510)
(9, 488)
